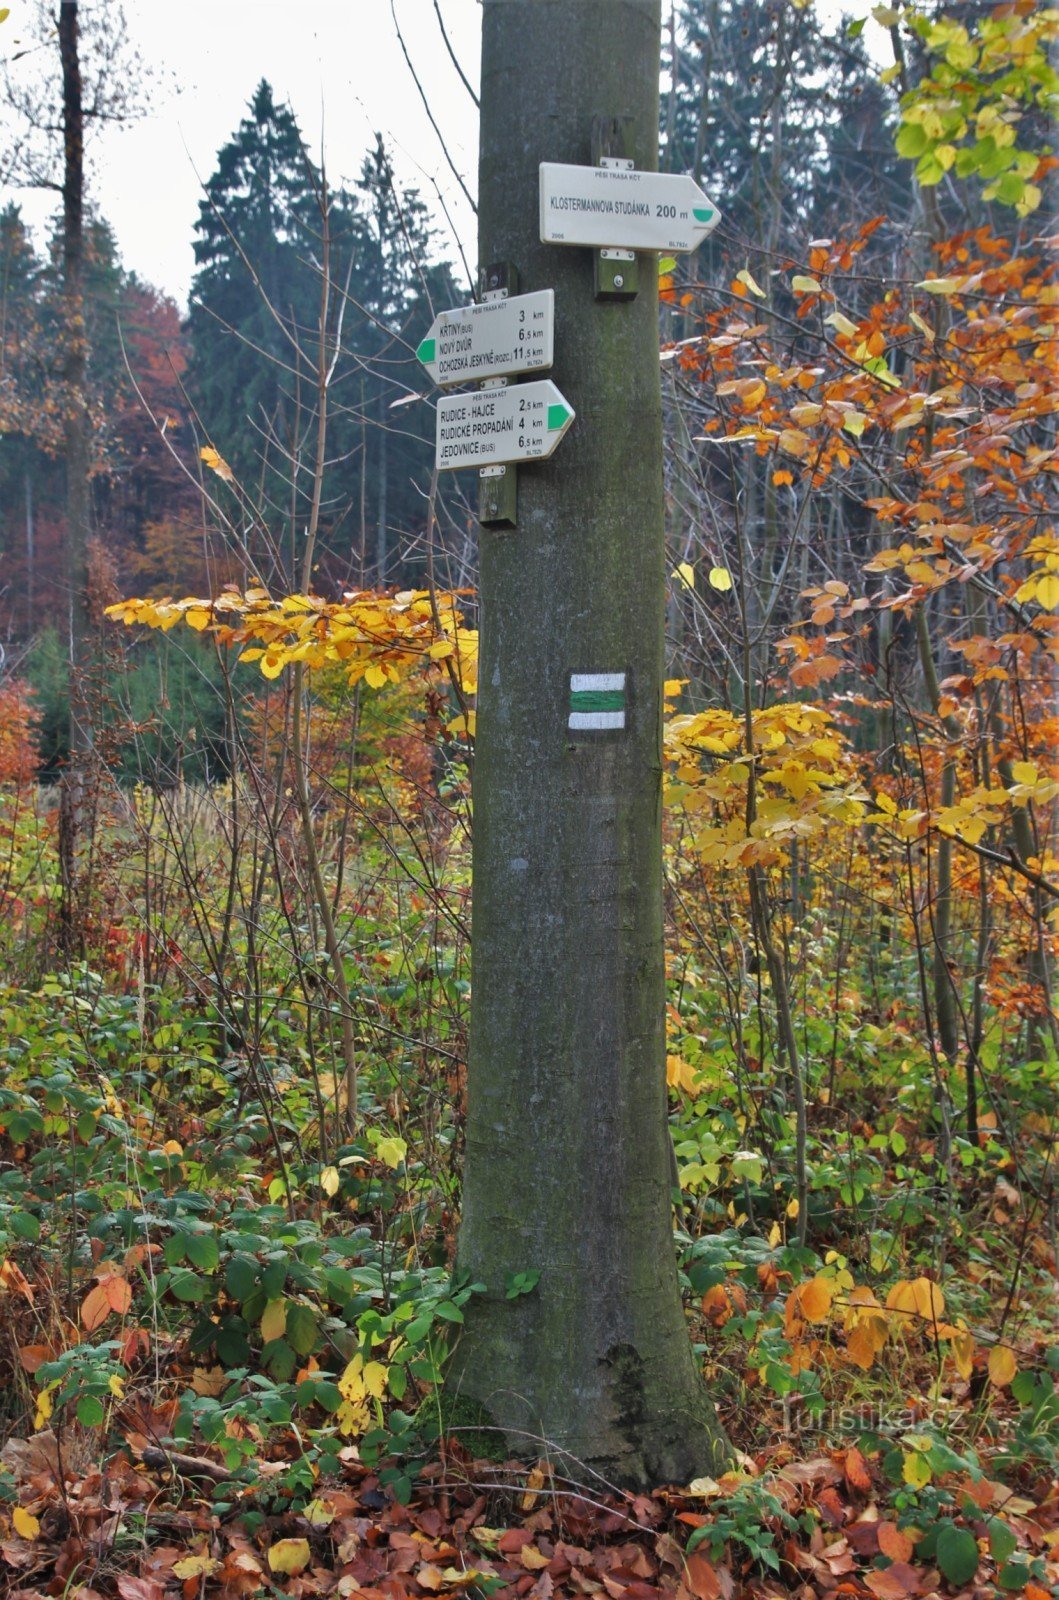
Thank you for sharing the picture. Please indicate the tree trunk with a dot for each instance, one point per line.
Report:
(567, 1170)
(72, 799)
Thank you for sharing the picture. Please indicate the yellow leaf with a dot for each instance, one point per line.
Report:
(271, 664)
(199, 1566)
(392, 1151)
(686, 573)
(443, 648)
(720, 578)
(375, 676)
(288, 1555)
(1048, 591)
(803, 285)
(215, 461)
(274, 1320)
(928, 1299)
(1002, 1365)
(962, 1348)
(855, 422)
(45, 1406)
(1024, 771)
(197, 618)
(26, 1524)
(793, 1208)
(329, 1180)
(318, 1514)
(375, 1378)
(745, 277)
(941, 285)
(680, 1074)
(915, 1470)
(841, 324)
(814, 1299)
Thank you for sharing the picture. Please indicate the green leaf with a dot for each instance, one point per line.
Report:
(203, 1250)
(329, 1395)
(1010, 189)
(1002, 1541)
(911, 140)
(24, 1225)
(449, 1312)
(187, 1285)
(301, 1328)
(90, 1412)
(856, 28)
(279, 1359)
(175, 1249)
(240, 1277)
(957, 1554)
(1016, 1575)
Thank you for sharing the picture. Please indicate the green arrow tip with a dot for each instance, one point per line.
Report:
(426, 351)
(701, 213)
(557, 416)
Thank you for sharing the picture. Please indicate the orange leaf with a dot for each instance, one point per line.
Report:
(861, 1347)
(33, 1356)
(856, 1470)
(893, 1543)
(897, 1582)
(814, 1299)
(119, 1294)
(95, 1308)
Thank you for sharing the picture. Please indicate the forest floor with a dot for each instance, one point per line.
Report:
(223, 1317)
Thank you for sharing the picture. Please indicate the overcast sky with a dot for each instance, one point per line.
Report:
(339, 65)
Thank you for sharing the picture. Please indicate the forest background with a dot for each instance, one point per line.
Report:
(235, 1014)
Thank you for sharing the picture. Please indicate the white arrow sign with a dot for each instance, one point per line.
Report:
(496, 339)
(617, 208)
(496, 426)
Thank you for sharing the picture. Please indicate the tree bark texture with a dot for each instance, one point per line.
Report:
(77, 460)
(567, 1169)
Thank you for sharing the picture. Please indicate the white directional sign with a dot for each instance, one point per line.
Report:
(496, 339)
(618, 208)
(491, 427)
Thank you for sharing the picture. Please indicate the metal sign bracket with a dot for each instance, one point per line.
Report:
(615, 273)
(498, 486)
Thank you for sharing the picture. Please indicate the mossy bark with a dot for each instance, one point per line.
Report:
(567, 1145)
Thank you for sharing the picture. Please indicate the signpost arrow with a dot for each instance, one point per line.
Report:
(493, 427)
(618, 208)
(495, 339)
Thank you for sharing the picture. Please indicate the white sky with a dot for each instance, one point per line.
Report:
(338, 63)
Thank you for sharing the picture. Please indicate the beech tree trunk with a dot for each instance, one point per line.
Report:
(567, 1171)
(76, 451)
